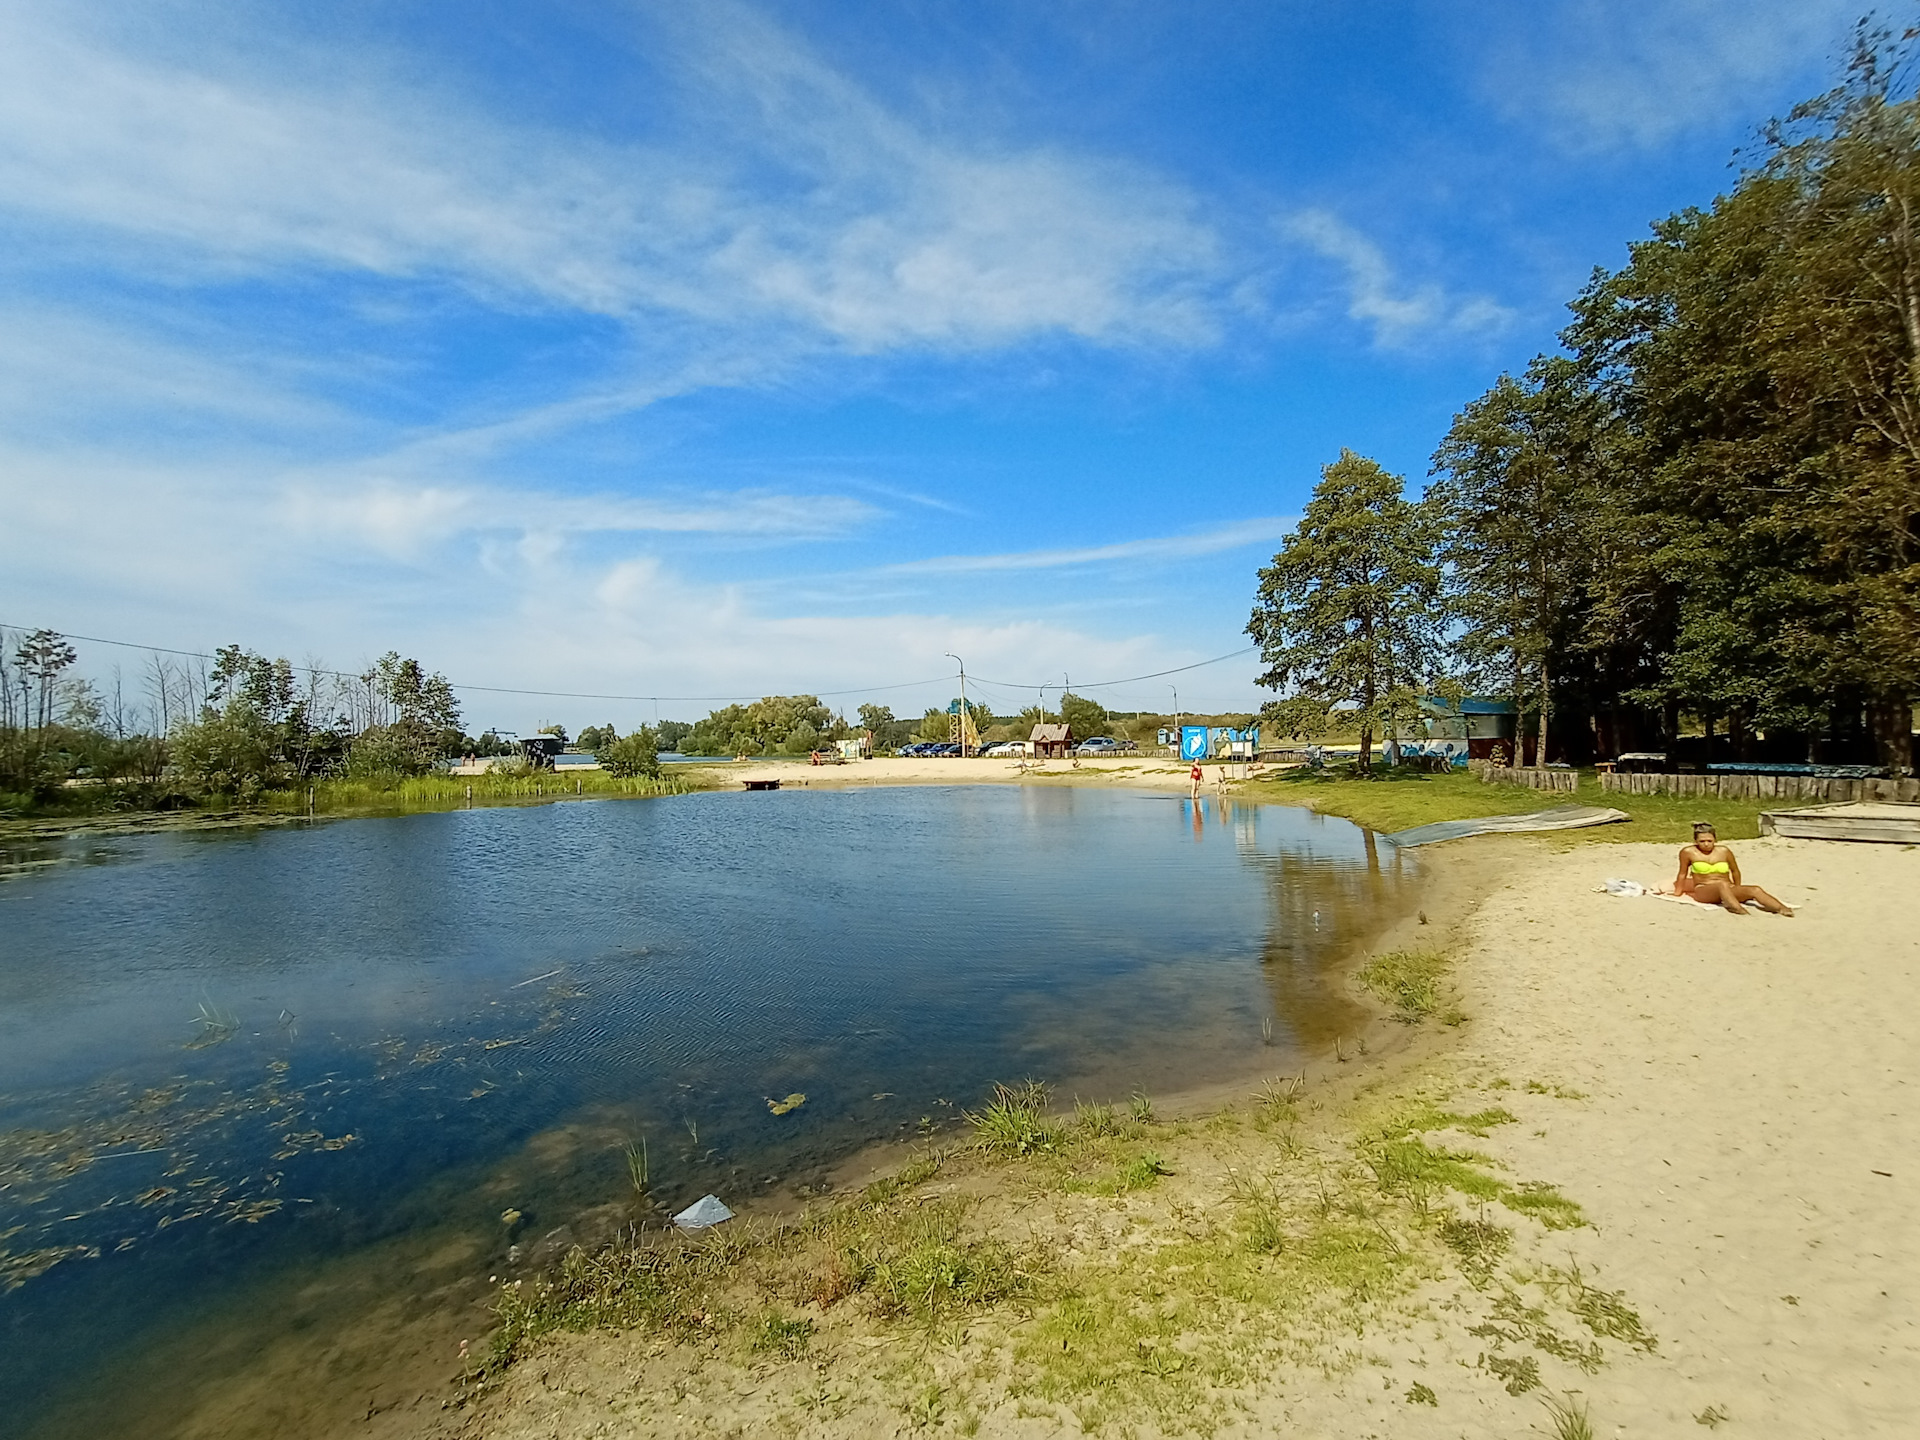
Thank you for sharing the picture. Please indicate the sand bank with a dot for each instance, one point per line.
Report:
(1729, 1103)
(1147, 772)
(1749, 1151)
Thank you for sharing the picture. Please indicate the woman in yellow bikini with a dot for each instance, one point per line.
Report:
(1710, 874)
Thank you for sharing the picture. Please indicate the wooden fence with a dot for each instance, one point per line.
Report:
(1765, 787)
(1564, 781)
(1729, 787)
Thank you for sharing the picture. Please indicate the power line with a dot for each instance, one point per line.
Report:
(676, 699)
(1131, 679)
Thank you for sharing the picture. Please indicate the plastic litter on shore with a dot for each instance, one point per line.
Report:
(704, 1213)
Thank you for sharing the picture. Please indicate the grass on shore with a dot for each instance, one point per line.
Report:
(1401, 799)
(1100, 1264)
(450, 792)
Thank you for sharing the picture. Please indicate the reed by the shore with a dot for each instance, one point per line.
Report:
(452, 792)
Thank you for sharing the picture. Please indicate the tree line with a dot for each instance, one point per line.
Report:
(186, 727)
(1701, 512)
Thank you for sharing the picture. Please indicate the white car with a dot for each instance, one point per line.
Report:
(1005, 750)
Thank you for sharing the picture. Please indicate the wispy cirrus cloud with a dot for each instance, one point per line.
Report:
(806, 205)
(401, 518)
(1597, 76)
(1154, 548)
(1398, 313)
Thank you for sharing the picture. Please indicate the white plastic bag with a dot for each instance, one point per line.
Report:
(705, 1212)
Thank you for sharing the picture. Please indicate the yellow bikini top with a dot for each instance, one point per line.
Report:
(1712, 867)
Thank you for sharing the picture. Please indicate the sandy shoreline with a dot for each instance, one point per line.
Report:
(1730, 1102)
(1146, 772)
(1750, 1144)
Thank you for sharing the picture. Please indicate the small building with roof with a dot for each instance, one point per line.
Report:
(1050, 742)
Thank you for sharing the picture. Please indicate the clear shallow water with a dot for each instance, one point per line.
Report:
(232, 1062)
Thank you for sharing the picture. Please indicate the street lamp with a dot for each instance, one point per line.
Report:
(963, 701)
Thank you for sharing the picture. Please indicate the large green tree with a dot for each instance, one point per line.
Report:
(1350, 611)
(793, 723)
(1710, 504)
(1512, 488)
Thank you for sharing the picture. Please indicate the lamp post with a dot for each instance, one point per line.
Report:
(963, 701)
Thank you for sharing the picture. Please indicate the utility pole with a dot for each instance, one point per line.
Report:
(963, 702)
(1176, 720)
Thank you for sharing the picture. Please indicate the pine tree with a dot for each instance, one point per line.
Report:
(1349, 612)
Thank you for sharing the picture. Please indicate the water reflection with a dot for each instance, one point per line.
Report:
(233, 1063)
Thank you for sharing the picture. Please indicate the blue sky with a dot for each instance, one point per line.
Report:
(728, 349)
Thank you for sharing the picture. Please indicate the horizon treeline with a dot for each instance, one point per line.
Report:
(185, 729)
(1705, 504)
(182, 730)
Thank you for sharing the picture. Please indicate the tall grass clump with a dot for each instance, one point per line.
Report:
(1569, 1418)
(1014, 1122)
(1408, 980)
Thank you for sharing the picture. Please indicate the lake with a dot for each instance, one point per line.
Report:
(267, 1095)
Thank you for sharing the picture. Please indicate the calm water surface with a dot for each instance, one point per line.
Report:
(241, 1066)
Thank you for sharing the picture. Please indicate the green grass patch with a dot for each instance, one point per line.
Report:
(1308, 1242)
(1405, 1164)
(1408, 980)
(1015, 1121)
(405, 794)
(1402, 799)
(905, 1256)
(1167, 1332)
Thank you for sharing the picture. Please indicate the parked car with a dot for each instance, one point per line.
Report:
(1005, 750)
(1097, 745)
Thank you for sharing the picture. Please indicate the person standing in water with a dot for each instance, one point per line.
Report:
(1194, 776)
(1710, 874)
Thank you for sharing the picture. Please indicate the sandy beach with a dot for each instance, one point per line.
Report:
(1728, 1102)
(1747, 1148)
(1140, 772)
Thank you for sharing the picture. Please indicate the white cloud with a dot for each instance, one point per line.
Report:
(516, 606)
(401, 519)
(1398, 314)
(1165, 547)
(801, 203)
(59, 368)
(1597, 75)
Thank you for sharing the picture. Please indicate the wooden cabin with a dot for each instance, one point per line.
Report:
(1050, 742)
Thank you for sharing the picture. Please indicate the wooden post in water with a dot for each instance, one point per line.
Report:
(576, 786)
(469, 797)
(309, 802)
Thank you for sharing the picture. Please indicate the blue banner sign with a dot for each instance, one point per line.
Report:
(1194, 742)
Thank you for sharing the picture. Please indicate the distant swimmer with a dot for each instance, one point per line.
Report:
(1710, 874)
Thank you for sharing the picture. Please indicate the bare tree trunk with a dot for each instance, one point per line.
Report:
(1540, 758)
